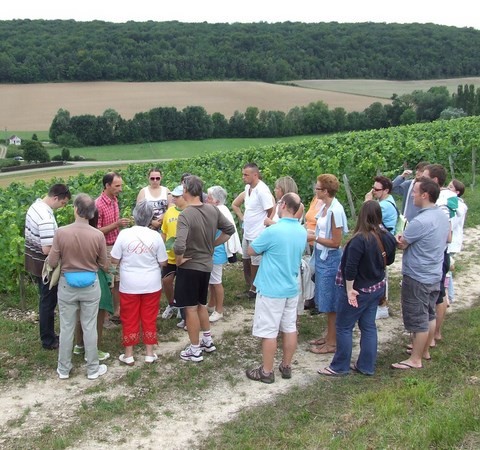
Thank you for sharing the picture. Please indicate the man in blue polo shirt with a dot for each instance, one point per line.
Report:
(281, 247)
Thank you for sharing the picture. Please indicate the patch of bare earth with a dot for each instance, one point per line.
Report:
(184, 420)
(27, 107)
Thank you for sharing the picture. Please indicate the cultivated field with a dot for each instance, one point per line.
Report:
(384, 88)
(33, 106)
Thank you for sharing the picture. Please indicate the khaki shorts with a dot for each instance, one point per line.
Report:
(255, 260)
(116, 277)
(273, 315)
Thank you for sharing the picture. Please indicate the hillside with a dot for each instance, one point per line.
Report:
(41, 51)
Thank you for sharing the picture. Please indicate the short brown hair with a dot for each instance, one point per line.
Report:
(385, 182)
(459, 187)
(330, 183)
(430, 187)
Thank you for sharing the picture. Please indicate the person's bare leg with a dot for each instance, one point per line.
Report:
(331, 336)
(247, 273)
(441, 310)
(254, 270)
(116, 299)
(289, 345)
(419, 342)
(128, 351)
(431, 333)
(269, 347)
(193, 323)
(149, 349)
(219, 296)
(204, 320)
(212, 298)
(167, 287)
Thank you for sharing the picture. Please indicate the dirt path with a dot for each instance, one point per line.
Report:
(180, 425)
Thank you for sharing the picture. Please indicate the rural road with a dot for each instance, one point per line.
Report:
(80, 164)
(3, 151)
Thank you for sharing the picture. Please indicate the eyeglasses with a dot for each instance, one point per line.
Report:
(377, 190)
(155, 178)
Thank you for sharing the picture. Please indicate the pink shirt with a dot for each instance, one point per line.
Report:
(108, 213)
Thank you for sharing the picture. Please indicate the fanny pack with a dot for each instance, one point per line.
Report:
(80, 279)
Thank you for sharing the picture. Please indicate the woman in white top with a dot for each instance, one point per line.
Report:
(156, 195)
(140, 251)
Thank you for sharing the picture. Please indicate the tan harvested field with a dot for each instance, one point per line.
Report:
(32, 106)
(384, 88)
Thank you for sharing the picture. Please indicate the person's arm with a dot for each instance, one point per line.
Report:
(236, 205)
(103, 258)
(53, 252)
(141, 195)
(181, 241)
(221, 239)
(123, 222)
(251, 251)
(352, 294)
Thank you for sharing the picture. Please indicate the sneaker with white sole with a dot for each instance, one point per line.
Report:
(63, 376)
(215, 316)
(382, 312)
(169, 312)
(189, 355)
(207, 347)
(102, 370)
(78, 350)
(102, 356)
(181, 324)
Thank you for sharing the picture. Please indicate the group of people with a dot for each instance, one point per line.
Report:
(115, 269)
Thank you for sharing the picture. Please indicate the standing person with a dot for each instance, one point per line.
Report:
(216, 196)
(82, 250)
(381, 189)
(403, 187)
(282, 248)
(283, 186)
(458, 222)
(109, 223)
(448, 202)
(157, 195)
(258, 202)
(139, 251)
(363, 275)
(169, 232)
(196, 229)
(331, 225)
(423, 242)
(40, 227)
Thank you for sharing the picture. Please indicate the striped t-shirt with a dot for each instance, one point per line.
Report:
(40, 226)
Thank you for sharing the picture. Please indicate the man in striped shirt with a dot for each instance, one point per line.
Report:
(40, 226)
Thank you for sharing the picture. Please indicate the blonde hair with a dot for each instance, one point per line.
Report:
(287, 184)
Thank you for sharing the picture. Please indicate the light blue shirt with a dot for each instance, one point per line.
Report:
(427, 237)
(219, 252)
(281, 246)
(389, 213)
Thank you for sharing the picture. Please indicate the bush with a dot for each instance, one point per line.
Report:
(68, 140)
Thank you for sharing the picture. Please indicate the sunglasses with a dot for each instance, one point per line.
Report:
(377, 190)
(155, 178)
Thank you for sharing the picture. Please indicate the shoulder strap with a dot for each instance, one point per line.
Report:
(395, 206)
(382, 248)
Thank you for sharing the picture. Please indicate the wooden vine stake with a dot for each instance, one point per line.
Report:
(349, 196)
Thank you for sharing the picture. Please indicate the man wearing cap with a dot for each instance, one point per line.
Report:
(169, 232)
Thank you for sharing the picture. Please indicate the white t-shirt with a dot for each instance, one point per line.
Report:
(457, 228)
(160, 203)
(256, 205)
(139, 250)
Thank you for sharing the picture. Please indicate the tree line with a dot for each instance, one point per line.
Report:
(194, 123)
(34, 51)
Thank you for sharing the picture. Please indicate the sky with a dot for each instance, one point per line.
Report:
(458, 14)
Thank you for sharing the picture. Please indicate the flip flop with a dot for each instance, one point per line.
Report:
(404, 366)
(323, 349)
(354, 368)
(330, 373)
(319, 341)
(409, 352)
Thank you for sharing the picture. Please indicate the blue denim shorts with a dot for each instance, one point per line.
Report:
(325, 272)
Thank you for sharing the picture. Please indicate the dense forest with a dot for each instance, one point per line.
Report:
(34, 51)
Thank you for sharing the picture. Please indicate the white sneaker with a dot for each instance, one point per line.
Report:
(208, 348)
(181, 324)
(189, 355)
(62, 376)
(215, 316)
(102, 370)
(382, 312)
(169, 312)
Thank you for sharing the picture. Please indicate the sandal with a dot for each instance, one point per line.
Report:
(323, 349)
(149, 359)
(330, 372)
(128, 360)
(319, 341)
